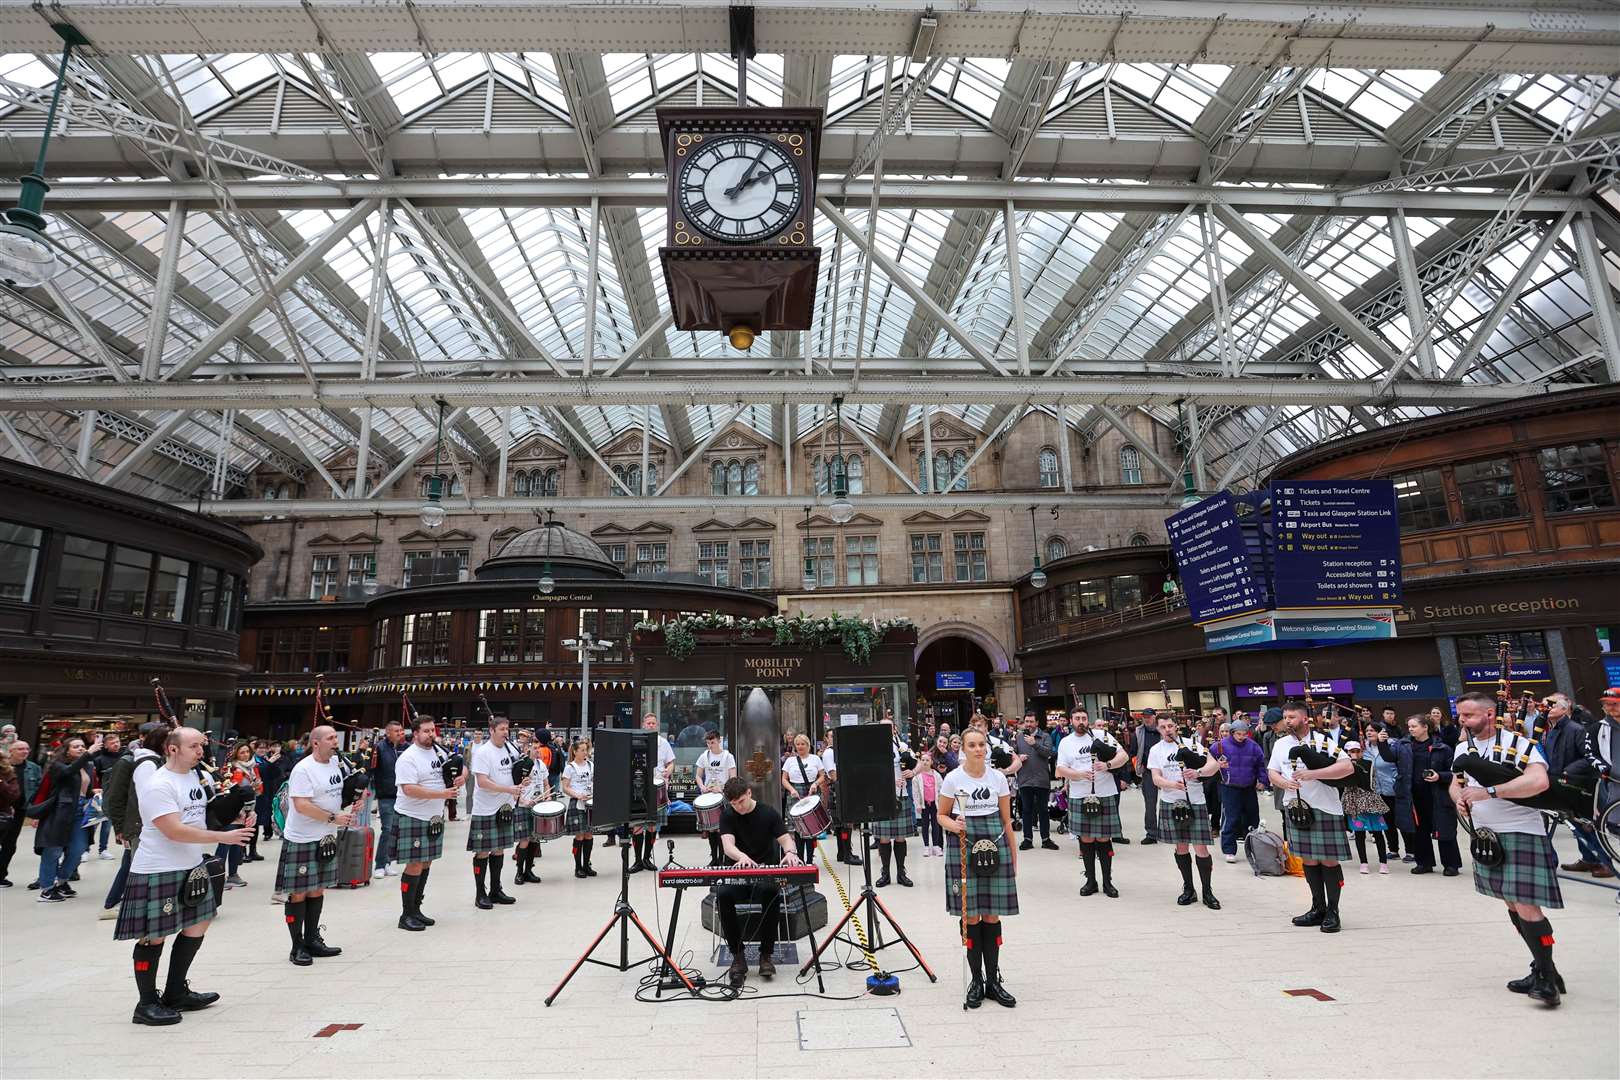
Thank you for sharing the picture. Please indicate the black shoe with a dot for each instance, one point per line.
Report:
(1422, 869)
(529, 877)
(1089, 888)
(51, 896)
(1312, 917)
(1049, 845)
(975, 995)
(502, 898)
(1187, 897)
(1120, 840)
(5, 883)
(1148, 840)
(154, 1014)
(635, 866)
(33, 884)
(579, 871)
(1109, 890)
(317, 947)
(737, 973)
(188, 1000)
(588, 871)
(64, 889)
(998, 993)
(484, 903)
(424, 920)
(1025, 845)
(882, 881)
(767, 966)
(850, 860)
(1330, 923)
(900, 876)
(1522, 986)
(1210, 902)
(610, 842)
(1450, 871)
(648, 864)
(300, 956)
(1546, 988)
(411, 922)
(74, 876)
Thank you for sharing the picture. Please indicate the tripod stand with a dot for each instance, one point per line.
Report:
(870, 907)
(623, 916)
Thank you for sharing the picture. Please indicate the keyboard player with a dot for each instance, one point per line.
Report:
(751, 834)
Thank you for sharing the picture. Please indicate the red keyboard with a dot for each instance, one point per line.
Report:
(738, 875)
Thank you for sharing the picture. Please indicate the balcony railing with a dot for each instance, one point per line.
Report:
(1103, 622)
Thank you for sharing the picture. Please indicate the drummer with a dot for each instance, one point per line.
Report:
(802, 777)
(578, 783)
(713, 768)
(645, 834)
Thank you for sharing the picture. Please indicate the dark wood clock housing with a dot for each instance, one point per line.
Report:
(739, 254)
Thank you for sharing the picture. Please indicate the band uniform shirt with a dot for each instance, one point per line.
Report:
(422, 768)
(1317, 795)
(755, 833)
(899, 784)
(323, 783)
(829, 762)
(714, 769)
(666, 756)
(1077, 752)
(1504, 815)
(1163, 758)
(580, 778)
(976, 796)
(801, 770)
(496, 763)
(162, 791)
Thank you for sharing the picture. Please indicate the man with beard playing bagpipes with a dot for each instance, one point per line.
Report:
(423, 794)
(1177, 766)
(1306, 765)
(309, 862)
(1084, 759)
(494, 827)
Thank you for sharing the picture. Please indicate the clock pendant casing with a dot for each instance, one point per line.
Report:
(739, 248)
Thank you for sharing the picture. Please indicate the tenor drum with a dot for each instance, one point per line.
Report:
(660, 790)
(810, 817)
(708, 808)
(548, 820)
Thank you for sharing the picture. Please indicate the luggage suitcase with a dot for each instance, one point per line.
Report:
(356, 852)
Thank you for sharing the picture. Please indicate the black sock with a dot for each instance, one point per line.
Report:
(975, 955)
(1105, 853)
(579, 854)
(900, 856)
(1538, 936)
(146, 965)
(1313, 878)
(480, 864)
(589, 844)
(497, 864)
(1184, 864)
(1088, 852)
(312, 916)
(883, 856)
(1332, 885)
(180, 957)
(1205, 864)
(295, 920)
(990, 945)
(421, 887)
(407, 893)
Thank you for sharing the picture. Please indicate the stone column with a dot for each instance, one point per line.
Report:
(1009, 688)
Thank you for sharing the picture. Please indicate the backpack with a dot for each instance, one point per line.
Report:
(1264, 850)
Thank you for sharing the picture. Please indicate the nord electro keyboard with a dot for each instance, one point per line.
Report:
(781, 876)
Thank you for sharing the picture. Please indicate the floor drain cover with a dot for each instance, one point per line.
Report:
(851, 1029)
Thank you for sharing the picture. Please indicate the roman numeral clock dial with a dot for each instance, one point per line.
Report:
(739, 189)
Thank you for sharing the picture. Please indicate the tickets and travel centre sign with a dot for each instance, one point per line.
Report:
(953, 680)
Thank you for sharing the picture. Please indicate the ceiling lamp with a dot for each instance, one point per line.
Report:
(841, 509)
(27, 258)
(432, 512)
(1037, 579)
(809, 560)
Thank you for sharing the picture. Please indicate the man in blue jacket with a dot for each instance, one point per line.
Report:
(383, 757)
(1243, 774)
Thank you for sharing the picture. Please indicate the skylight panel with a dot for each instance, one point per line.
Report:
(27, 69)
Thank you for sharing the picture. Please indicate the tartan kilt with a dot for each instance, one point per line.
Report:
(152, 907)
(1103, 826)
(1324, 841)
(521, 817)
(1528, 875)
(904, 823)
(412, 842)
(1195, 830)
(993, 895)
(577, 822)
(301, 870)
(488, 834)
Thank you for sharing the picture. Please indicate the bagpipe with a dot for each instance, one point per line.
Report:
(1561, 796)
(224, 807)
(1000, 756)
(1315, 759)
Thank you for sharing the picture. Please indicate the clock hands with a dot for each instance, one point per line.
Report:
(748, 175)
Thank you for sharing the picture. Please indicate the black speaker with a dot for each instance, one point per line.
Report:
(864, 757)
(624, 777)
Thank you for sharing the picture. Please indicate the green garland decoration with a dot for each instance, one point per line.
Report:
(855, 635)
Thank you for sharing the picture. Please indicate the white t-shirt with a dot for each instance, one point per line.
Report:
(899, 745)
(494, 762)
(1317, 795)
(163, 791)
(423, 768)
(323, 783)
(1501, 815)
(801, 770)
(1075, 752)
(580, 778)
(976, 796)
(1162, 757)
(713, 770)
(666, 756)
(829, 762)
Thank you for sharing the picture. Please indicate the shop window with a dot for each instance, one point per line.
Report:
(860, 560)
(1482, 648)
(972, 563)
(130, 582)
(323, 576)
(1130, 465)
(714, 561)
(927, 559)
(1420, 500)
(424, 639)
(169, 587)
(820, 559)
(1127, 590)
(19, 559)
(754, 564)
(1048, 464)
(652, 559)
(1056, 548)
(1575, 477)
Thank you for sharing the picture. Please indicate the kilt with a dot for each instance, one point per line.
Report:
(902, 825)
(993, 895)
(577, 822)
(412, 842)
(1324, 841)
(152, 907)
(1528, 875)
(1103, 826)
(1195, 830)
(487, 833)
(521, 817)
(301, 869)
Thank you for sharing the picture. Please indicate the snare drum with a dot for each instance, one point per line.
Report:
(708, 807)
(660, 790)
(810, 817)
(547, 823)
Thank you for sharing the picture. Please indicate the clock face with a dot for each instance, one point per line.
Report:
(739, 189)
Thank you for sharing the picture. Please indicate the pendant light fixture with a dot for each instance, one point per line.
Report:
(432, 512)
(1037, 578)
(809, 560)
(547, 583)
(27, 258)
(841, 509)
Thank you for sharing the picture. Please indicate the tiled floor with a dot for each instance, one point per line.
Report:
(1135, 986)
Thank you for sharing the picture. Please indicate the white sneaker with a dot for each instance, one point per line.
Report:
(106, 856)
(278, 898)
(107, 914)
(380, 872)
(1231, 858)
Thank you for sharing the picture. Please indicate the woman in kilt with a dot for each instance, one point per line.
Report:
(1085, 758)
(1525, 874)
(891, 834)
(578, 783)
(1313, 813)
(1183, 807)
(975, 804)
(157, 902)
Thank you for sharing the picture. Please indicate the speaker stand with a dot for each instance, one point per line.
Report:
(871, 908)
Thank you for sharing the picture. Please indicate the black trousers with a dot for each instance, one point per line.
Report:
(1032, 801)
(1443, 830)
(8, 841)
(727, 897)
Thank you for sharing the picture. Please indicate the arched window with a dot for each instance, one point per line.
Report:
(448, 484)
(922, 470)
(733, 478)
(1140, 540)
(1056, 548)
(520, 483)
(818, 475)
(717, 478)
(547, 484)
(631, 475)
(959, 465)
(652, 478)
(856, 470)
(942, 470)
(750, 481)
(1130, 465)
(1048, 467)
